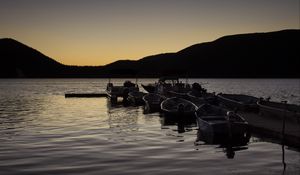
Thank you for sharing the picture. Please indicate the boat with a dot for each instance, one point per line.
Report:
(219, 126)
(167, 86)
(239, 102)
(201, 98)
(113, 92)
(136, 98)
(199, 95)
(279, 110)
(179, 108)
(177, 89)
(152, 102)
(229, 148)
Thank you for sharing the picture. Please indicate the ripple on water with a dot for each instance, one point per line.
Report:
(41, 132)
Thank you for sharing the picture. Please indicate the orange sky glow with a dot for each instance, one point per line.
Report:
(90, 32)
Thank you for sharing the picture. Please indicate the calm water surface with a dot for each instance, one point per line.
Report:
(41, 132)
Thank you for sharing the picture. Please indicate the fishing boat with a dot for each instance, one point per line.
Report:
(113, 92)
(229, 148)
(152, 102)
(198, 101)
(199, 95)
(279, 110)
(178, 89)
(218, 126)
(178, 107)
(239, 102)
(136, 98)
(201, 98)
(168, 86)
(163, 84)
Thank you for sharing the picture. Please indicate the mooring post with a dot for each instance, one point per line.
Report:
(283, 134)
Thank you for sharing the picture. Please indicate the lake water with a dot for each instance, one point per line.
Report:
(41, 132)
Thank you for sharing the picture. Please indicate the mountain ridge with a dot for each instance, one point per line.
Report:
(252, 55)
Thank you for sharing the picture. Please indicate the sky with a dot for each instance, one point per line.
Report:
(98, 32)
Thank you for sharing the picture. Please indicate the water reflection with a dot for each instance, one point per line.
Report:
(262, 138)
(230, 150)
(182, 124)
(122, 121)
(19, 112)
(283, 157)
(89, 136)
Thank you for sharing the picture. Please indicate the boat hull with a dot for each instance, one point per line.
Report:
(216, 126)
(205, 98)
(152, 102)
(170, 108)
(279, 110)
(221, 132)
(114, 92)
(239, 102)
(136, 98)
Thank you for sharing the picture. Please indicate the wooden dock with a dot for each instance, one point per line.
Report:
(272, 128)
(85, 95)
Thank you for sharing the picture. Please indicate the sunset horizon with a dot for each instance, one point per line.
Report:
(143, 56)
(91, 33)
(136, 87)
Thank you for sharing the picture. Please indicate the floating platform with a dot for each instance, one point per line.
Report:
(85, 95)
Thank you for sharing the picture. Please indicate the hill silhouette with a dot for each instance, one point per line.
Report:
(256, 55)
(21, 61)
(18, 60)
